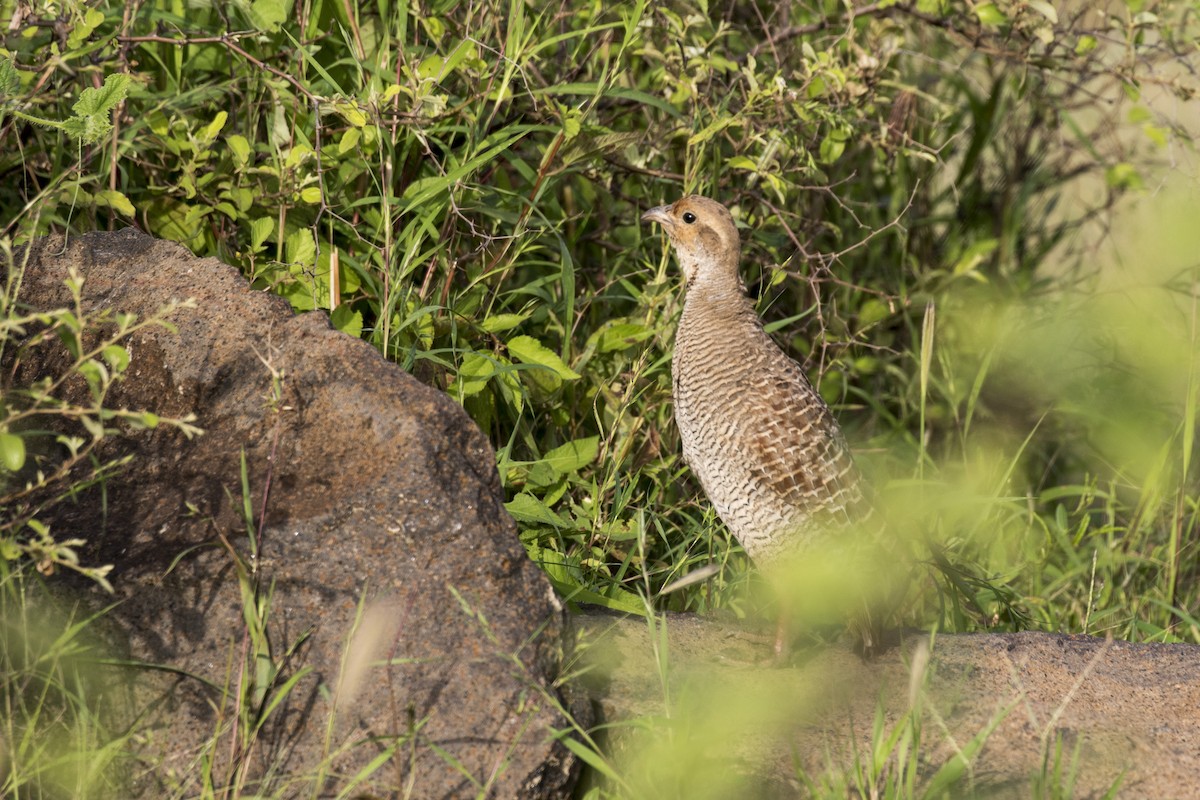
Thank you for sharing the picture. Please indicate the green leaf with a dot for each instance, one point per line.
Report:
(68, 337)
(298, 155)
(872, 311)
(713, 128)
(301, 248)
(110, 198)
(240, 147)
(974, 255)
(436, 68)
(260, 230)
(10, 79)
(622, 336)
(213, 128)
(572, 124)
(12, 451)
(351, 113)
(96, 376)
(1086, 44)
(1123, 176)
(9, 550)
(147, 419)
(243, 198)
(474, 373)
(268, 15)
(83, 28)
(833, 145)
(571, 456)
(347, 320)
(498, 323)
(349, 141)
(420, 191)
(93, 111)
(528, 350)
(117, 357)
(989, 14)
(311, 195)
(527, 508)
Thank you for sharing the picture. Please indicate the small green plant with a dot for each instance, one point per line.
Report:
(56, 739)
(50, 434)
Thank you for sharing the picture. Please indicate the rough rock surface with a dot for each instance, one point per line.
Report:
(383, 520)
(1075, 712)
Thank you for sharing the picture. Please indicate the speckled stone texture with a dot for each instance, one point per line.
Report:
(384, 506)
(1126, 715)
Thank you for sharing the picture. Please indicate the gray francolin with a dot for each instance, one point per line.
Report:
(765, 446)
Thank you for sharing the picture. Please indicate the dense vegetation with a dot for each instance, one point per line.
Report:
(923, 189)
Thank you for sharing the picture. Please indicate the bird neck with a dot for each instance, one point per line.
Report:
(716, 277)
(726, 291)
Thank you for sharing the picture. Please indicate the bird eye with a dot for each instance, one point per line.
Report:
(689, 217)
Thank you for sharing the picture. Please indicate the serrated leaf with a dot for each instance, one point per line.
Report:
(571, 456)
(92, 112)
(12, 451)
(10, 79)
(260, 230)
(301, 247)
(528, 350)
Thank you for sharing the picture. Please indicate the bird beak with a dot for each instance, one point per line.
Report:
(661, 215)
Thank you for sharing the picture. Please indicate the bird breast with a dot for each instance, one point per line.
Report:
(763, 444)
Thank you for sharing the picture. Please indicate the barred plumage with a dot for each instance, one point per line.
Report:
(766, 448)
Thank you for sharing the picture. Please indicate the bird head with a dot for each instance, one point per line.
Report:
(705, 239)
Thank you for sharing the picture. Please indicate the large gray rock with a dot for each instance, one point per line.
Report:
(395, 579)
(1016, 715)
